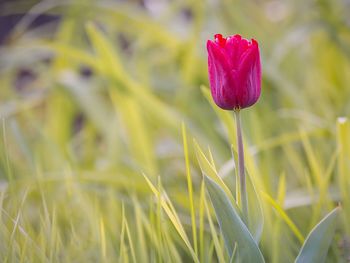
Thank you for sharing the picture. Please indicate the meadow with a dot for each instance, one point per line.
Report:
(108, 129)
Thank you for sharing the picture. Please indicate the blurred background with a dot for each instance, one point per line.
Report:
(93, 95)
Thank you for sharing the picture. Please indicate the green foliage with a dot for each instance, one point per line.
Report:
(95, 100)
(233, 229)
(317, 243)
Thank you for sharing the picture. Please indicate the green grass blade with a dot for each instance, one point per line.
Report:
(171, 213)
(343, 144)
(103, 240)
(201, 221)
(284, 216)
(108, 59)
(190, 189)
(141, 242)
(218, 248)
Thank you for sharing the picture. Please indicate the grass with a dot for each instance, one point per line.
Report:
(107, 166)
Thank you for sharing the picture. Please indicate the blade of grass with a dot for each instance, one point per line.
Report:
(284, 216)
(169, 210)
(214, 235)
(343, 144)
(201, 221)
(190, 189)
(103, 240)
(142, 247)
(276, 235)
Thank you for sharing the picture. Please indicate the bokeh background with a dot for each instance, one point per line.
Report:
(93, 95)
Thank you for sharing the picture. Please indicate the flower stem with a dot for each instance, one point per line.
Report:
(241, 172)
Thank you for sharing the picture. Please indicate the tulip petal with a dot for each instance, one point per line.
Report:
(220, 78)
(249, 76)
(232, 46)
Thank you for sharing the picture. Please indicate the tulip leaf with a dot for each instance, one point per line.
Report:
(256, 216)
(317, 243)
(232, 227)
(209, 169)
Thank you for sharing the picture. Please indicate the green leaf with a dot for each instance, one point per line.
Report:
(317, 243)
(209, 169)
(232, 227)
(256, 216)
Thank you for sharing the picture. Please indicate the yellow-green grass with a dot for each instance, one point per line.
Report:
(108, 168)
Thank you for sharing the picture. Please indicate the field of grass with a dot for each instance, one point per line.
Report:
(108, 126)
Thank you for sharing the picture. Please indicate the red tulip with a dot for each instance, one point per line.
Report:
(234, 71)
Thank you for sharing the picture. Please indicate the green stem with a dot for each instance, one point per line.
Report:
(241, 172)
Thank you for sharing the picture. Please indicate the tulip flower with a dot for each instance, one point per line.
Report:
(234, 71)
(235, 83)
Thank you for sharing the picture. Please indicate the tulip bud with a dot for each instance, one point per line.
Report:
(234, 71)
